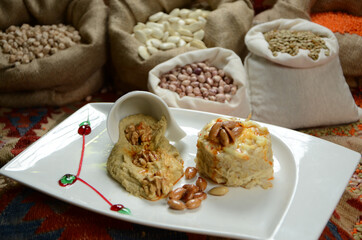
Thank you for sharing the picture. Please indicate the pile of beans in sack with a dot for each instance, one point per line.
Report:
(145, 34)
(26, 43)
(51, 55)
(295, 78)
(211, 80)
(162, 31)
(200, 80)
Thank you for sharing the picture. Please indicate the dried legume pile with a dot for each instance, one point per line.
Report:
(181, 27)
(26, 43)
(200, 80)
(289, 41)
(339, 22)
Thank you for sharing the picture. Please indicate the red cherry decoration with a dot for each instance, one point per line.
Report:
(117, 207)
(69, 179)
(84, 130)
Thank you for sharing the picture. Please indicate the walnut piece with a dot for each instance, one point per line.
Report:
(138, 134)
(153, 186)
(141, 159)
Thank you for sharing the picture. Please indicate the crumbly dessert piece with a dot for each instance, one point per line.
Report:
(235, 153)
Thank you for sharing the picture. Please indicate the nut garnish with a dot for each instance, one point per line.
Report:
(145, 156)
(219, 191)
(188, 196)
(153, 186)
(289, 41)
(225, 132)
(137, 134)
(190, 172)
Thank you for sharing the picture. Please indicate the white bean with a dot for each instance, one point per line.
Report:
(173, 19)
(157, 33)
(202, 20)
(181, 23)
(140, 36)
(152, 50)
(139, 26)
(155, 17)
(199, 35)
(142, 51)
(147, 31)
(167, 46)
(184, 13)
(173, 39)
(155, 25)
(193, 27)
(165, 36)
(187, 39)
(198, 44)
(155, 42)
(185, 32)
(181, 43)
(175, 12)
(190, 20)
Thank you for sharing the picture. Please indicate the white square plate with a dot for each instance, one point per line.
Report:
(310, 177)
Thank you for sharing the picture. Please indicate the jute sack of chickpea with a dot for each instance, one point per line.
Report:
(211, 80)
(51, 52)
(295, 79)
(144, 34)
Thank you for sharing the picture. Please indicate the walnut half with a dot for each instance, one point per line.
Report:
(225, 132)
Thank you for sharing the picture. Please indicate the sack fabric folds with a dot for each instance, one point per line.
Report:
(226, 26)
(67, 76)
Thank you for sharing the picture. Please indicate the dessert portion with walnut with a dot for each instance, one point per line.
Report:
(143, 160)
(235, 153)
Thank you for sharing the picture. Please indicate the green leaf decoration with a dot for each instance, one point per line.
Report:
(125, 211)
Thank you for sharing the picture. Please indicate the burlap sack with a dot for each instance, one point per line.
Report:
(226, 27)
(353, 7)
(70, 74)
(350, 44)
(287, 9)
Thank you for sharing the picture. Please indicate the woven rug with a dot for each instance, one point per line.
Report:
(29, 214)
